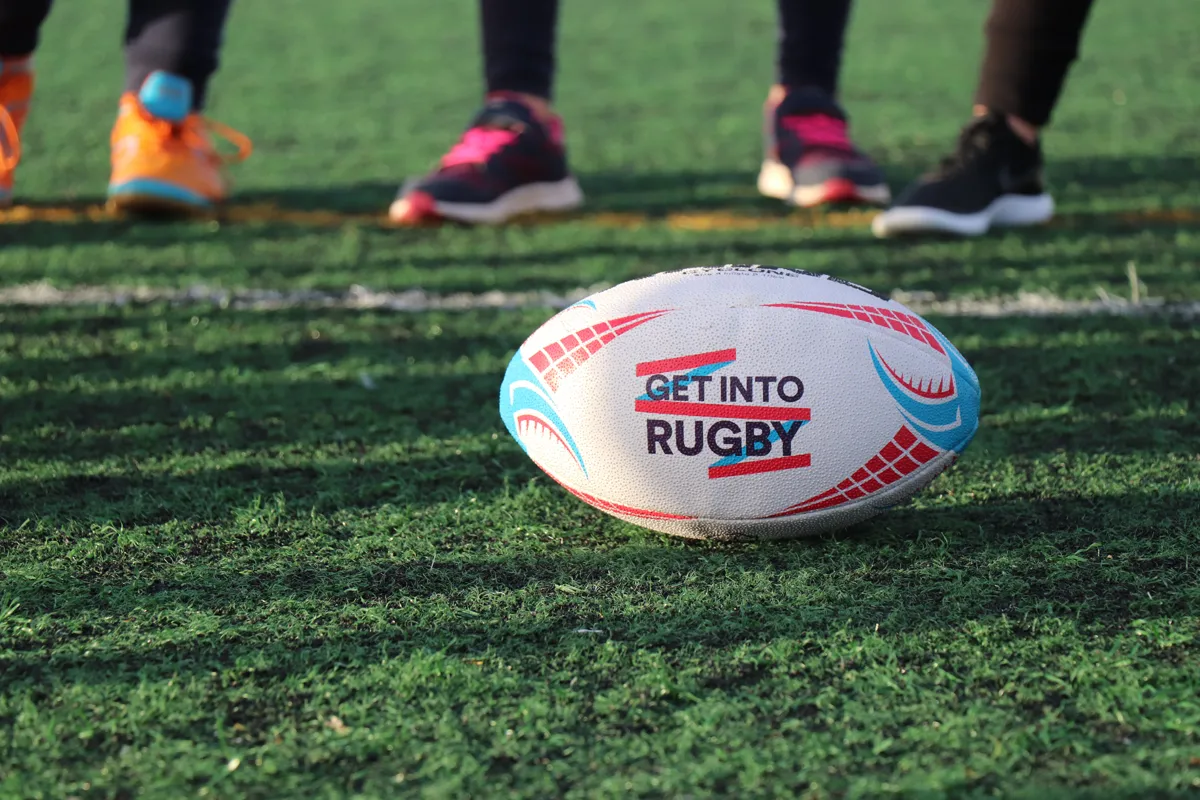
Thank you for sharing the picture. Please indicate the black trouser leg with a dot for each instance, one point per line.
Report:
(179, 36)
(20, 21)
(1030, 47)
(811, 34)
(518, 45)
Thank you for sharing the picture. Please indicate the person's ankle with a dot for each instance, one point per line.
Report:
(18, 62)
(1025, 131)
(778, 91)
(540, 106)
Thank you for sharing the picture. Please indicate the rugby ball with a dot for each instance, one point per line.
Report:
(740, 402)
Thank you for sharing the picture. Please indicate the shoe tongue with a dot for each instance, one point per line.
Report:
(166, 96)
(505, 115)
(985, 130)
(992, 120)
(981, 135)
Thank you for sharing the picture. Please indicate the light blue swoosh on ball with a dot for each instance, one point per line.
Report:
(950, 424)
(523, 390)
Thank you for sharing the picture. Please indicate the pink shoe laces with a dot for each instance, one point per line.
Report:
(478, 145)
(820, 130)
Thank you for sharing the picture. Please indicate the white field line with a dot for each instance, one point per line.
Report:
(414, 300)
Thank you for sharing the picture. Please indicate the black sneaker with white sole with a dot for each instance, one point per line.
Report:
(994, 178)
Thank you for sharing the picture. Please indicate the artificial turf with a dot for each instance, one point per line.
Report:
(282, 552)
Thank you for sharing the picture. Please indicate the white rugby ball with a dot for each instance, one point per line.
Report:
(740, 402)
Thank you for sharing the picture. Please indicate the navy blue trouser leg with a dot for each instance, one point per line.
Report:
(20, 21)
(811, 35)
(519, 45)
(179, 36)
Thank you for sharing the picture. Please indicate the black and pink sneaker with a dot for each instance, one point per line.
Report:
(810, 159)
(507, 163)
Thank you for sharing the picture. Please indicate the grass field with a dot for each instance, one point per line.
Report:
(275, 550)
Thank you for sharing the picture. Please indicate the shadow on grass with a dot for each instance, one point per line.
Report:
(910, 572)
(654, 193)
(271, 411)
(1070, 257)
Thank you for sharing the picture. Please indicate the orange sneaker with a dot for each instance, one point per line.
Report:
(163, 157)
(16, 87)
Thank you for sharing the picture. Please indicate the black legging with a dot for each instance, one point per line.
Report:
(519, 44)
(178, 36)
(1030, 46)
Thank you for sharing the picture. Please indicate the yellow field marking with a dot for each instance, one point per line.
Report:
(1160, 215)
(698, 220)
(18, 215)
(266, 213)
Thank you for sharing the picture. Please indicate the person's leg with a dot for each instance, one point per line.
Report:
(511, 160)
(181, 37)
(995, 176)
(809, 157)
(1031, 45)
(811, 36)
(20, 23)
(172, 48)
(518, 48)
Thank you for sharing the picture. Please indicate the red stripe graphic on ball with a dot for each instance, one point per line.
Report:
(534, 424)
(898, 321)
(904, 454)
(920, 387)
(757, 467)
(559, 359)
(684, 363)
